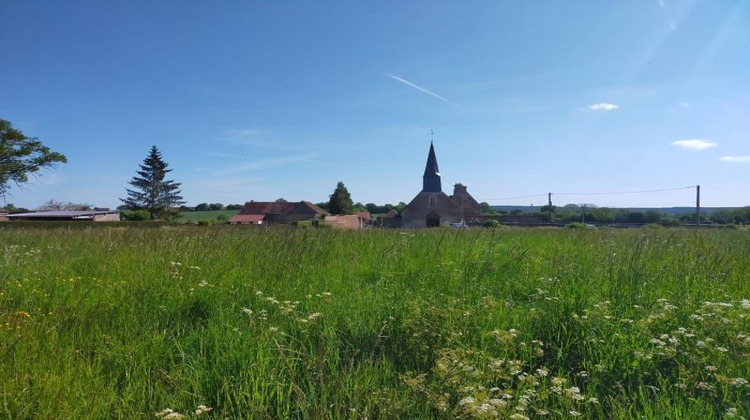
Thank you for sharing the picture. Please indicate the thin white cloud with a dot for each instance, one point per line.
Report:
(738, 159)
(694, 144)
(225, 155)
(419, 88)
(603, 107)
(686, 105)
(661, 4)
(245, 133)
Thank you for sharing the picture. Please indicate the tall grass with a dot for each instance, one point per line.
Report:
(127, 322)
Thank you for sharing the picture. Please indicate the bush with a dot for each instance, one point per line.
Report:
(491, 223)
(576, 225)
(135, 215)
(655, 226)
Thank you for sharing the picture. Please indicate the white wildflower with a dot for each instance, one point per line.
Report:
(704, 386)
(202, 409)
(738, 382)
(467, 400)
(574, 413)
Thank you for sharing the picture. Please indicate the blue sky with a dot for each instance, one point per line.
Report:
(257, 100)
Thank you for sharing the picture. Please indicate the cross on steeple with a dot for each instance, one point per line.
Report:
(432, 135)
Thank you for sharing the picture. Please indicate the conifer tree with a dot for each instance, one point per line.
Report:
(151, 191)
(341, 201)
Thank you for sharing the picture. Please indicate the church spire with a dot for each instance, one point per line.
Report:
(431, 178)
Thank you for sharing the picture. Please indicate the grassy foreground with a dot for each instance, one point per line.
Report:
(217, 322)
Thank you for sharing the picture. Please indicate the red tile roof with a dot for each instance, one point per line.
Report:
(247, 218)
(267, 207)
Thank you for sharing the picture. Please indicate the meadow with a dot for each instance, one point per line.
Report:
(230, 322)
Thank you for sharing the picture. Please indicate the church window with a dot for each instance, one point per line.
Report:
(433, 201)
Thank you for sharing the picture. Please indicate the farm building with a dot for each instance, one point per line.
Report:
(70, 215)
(264, 212)
(247, 219)
(358, 220)
(432, 207)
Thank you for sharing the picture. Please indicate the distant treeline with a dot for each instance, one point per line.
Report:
(569, 213)
(606, 215)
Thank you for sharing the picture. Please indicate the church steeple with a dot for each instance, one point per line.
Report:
(431, 178)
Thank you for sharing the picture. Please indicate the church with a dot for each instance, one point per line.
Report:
(432, 207)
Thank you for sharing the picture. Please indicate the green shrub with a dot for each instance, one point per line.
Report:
(135, 215)
(653, 226)
(491, 223)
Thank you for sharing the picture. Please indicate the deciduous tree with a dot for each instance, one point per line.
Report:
(151, 191)
(21, 156)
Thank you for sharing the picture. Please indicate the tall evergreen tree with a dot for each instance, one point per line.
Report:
(340, 202)
(151, 192)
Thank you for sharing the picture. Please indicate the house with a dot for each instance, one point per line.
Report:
(432, 207)
(272, 212)
(4, 214)
(70, 215)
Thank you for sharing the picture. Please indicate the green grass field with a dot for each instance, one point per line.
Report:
(128, 322)
(196, 216)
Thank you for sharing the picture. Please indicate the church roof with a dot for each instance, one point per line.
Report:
(431, 179)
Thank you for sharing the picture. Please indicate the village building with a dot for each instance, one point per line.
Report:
(69, 215)
(358, 220)
(274, 212)
(432, 207)
(4, 214)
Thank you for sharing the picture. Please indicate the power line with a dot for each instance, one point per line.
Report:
(590, 193)
(513, 198)
(628, 192)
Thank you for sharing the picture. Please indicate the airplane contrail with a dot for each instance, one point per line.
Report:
(419, 88)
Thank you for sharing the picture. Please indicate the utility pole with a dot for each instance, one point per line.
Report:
(697, 206)
(549, 206)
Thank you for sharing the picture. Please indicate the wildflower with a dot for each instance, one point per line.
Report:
(722, 349)
(738, 382)
(593, 400)
(273, 329)
(202, 409)
(467, 400)
(574, 393)
(574, 413)
(705, 386)
(518, 416)
(557, 381)
(731, 412)
(710, 368)
(542, 372)
(497, 402)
